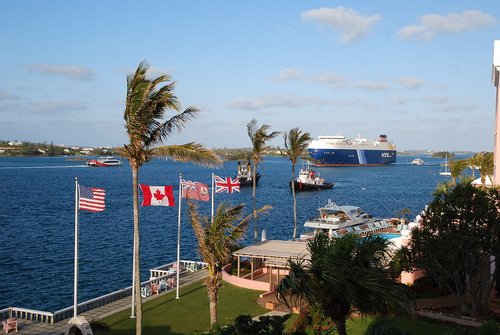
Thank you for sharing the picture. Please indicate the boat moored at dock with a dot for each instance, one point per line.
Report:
(340, 151)
(337, 221)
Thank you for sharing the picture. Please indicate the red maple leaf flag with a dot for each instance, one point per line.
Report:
(157, 195)
(91, 198)
(227, 184)
(194, 190)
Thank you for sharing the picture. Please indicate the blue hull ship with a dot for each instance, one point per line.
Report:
(340, 151)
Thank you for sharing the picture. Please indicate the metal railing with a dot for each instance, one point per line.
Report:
(157, 274)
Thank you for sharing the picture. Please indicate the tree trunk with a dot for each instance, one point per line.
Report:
(341, 329)
(254, 200)
(294, 203)
(212, 296)
(137, 269)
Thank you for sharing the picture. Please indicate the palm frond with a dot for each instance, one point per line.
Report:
(296, 143)
(161, 131)
(191, 152)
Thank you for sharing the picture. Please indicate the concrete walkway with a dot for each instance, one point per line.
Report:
(27, 327)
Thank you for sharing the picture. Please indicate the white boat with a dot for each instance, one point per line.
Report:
(309, 180)
(445, 171)
(417, 161)
(105, 162)
(340, 220)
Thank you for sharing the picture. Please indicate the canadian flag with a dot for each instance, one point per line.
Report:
(157, 195)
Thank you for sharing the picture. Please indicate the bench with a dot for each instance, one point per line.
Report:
(10, 324)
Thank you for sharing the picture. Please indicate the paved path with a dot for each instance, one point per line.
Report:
(27, 327)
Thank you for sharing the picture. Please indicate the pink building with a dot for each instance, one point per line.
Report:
(496, 78)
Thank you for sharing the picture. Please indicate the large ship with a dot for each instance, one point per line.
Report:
(340, 151)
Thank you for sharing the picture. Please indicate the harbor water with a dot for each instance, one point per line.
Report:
(37, 209)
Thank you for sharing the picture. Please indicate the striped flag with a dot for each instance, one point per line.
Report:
(91, 198)
(227, 184)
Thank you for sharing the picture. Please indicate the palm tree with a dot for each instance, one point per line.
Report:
(486, 166)
(342, 274)
(145, 106)
(259, 137)
(216, 240)
(456, 169)
(295, 143)
(474, 163)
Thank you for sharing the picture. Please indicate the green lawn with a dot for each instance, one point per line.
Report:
(190, 314)
(187, 315)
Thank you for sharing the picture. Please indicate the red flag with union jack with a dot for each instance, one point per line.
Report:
(194, 190)
(227, 184)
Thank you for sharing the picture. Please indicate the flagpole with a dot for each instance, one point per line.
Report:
(179, 237)
(75, 285)
(212, 197)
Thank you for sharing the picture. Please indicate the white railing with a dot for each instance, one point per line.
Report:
(171, 268)
(4, 313)
(157, 275)
(31, 314)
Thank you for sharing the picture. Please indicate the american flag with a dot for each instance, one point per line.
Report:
(91, 198)
(227, 184)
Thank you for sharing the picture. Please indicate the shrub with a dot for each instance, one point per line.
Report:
(383, 328)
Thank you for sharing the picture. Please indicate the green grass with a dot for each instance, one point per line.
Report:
(187, 315)
(190, 314)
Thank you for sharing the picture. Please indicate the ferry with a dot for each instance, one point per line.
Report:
(105, 162)
(417, 161)
(340, 151)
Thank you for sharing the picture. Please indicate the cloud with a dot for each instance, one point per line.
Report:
(270, 101)
(434, 24)
(7, 96)
(325, 78)
(438, 100)
(45, 108)
(330, 79)
(347, 22)
(289, 74)
(372, 86)
(411, 83)
(397, 100)
(69, 71)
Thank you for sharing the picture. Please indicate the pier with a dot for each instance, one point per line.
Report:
(35, 322)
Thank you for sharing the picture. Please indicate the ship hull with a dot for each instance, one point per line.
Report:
(352, 157)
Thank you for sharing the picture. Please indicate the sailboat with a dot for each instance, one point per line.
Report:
(445, 171)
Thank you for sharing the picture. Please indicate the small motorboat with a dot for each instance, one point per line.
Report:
(105, 162)
(245, 175)
(309, 180)
(417, 161)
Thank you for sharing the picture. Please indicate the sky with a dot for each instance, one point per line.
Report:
(417, 71)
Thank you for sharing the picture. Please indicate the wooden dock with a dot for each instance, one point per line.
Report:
(28, 327)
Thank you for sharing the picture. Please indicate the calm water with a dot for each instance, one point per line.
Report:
(37, 218)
